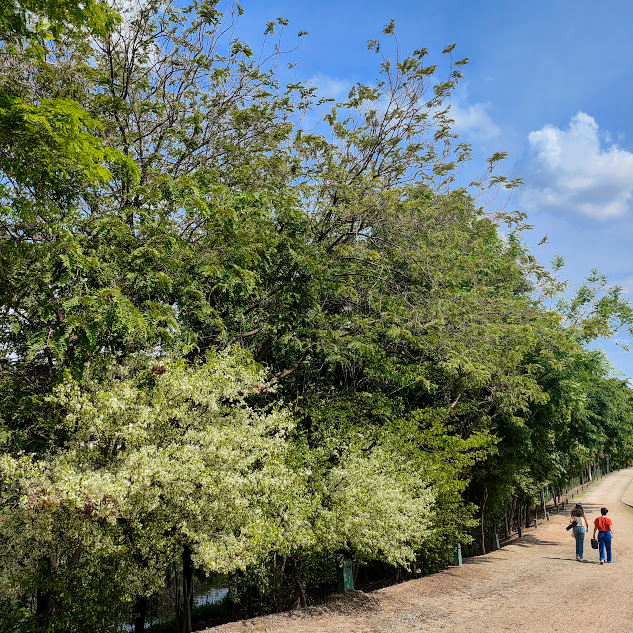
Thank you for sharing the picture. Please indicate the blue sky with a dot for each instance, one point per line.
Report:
(549, 82)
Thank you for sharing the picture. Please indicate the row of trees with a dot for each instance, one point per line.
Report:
(233, 345)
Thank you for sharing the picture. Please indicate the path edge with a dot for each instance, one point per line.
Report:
(627, 495)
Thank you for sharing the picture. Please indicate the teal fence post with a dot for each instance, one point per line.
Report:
(345, 576)
(520, 531)
(535, 523)
(457, 555)
(495, 541)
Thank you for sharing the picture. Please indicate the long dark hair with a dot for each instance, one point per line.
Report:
(577, 511)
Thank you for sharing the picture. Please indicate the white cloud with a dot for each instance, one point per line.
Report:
(627, 286)
(330, 87)
(474, 121)
(471, 120)
(571, 171)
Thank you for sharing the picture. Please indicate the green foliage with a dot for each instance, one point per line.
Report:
(152, 463)
(234, 345)
(39, 20)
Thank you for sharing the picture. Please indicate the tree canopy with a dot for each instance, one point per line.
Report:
(231, 344)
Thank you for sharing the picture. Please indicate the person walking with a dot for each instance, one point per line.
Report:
(578, 515)
(604, 526)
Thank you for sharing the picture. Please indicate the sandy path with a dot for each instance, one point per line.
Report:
(533, 584)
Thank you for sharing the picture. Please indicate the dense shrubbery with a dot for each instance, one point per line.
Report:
(233, 346)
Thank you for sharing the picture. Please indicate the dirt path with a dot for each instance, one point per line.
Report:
(533, 584)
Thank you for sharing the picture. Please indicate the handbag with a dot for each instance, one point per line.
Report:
(594, 543)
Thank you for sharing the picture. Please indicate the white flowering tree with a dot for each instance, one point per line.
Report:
(162, 464)
(169, 465)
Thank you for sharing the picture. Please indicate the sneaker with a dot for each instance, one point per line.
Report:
(602, 562)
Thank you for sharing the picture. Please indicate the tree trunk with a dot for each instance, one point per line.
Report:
(178, 598)
(483, 508)
(301, 593)
(187, 590)
(140, 613)
(44, 603)
(45, 599)
(278, 584)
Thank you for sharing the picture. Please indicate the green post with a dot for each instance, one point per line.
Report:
(520, 531)
(535, 523)
(495, 541)
(345, 576)
(457, 556)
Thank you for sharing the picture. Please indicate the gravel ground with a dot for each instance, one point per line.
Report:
(533, 584)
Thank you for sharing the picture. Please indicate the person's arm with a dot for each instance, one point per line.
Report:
(595, 527)
(584, 516)
(611, 529)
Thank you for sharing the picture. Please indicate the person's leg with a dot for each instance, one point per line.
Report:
(579, 534)
(581, 542)
(602, 545)
(607, 544)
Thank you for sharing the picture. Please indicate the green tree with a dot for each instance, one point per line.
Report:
(163, 463)
(159, 200)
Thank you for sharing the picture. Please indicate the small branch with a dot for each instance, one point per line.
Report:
(245, 335)
(292, 369)
(75, 557)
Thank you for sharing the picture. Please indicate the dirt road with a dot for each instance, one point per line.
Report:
(533, 585)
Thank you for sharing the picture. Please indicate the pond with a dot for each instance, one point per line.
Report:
(207, 591)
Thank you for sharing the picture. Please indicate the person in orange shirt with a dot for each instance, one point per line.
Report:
(604, 526)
